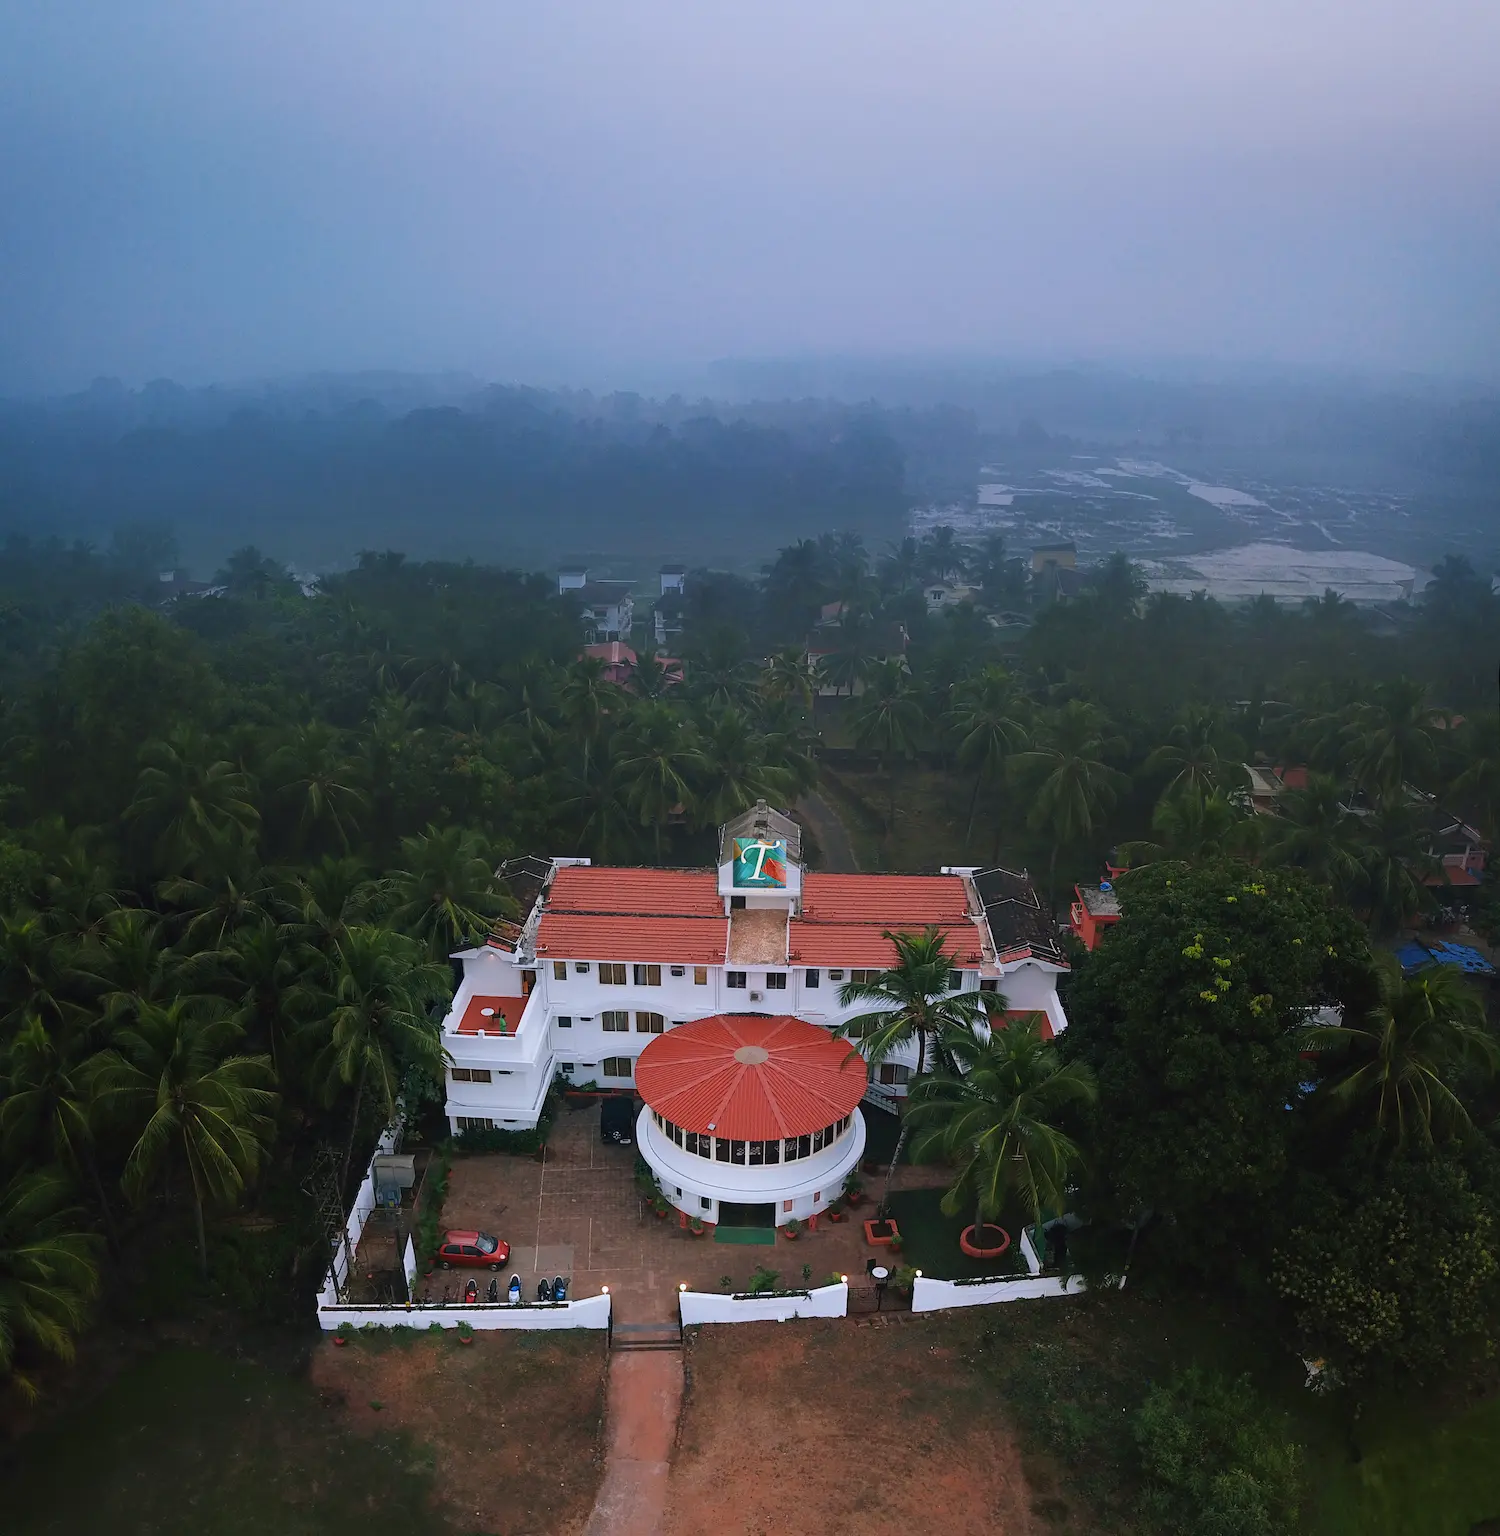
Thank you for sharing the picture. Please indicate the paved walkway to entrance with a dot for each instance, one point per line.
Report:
(645, 1396)
(579, 1214)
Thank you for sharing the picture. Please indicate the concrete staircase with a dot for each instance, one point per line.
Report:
(631, 1336)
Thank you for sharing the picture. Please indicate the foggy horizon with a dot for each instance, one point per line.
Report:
(601, 199)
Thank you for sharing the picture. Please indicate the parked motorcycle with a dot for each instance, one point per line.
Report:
(493, 1294)
(559, 1288)
(513, 1292)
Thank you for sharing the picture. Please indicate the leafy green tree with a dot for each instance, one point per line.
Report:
(1190, 1015)
(317, 779)
(586, 700)
(445, 894)
(48, 1274)
(1392, 738)
(1392, 1265)
(913, 1004)
(1399, 1065)
(790, 675)
(1192, 828)
(993, 1115)
(887, 719)
(1199, 754)
(1215, 1461)
(173, 1081)
(657, 757)
(735, 772)
(377, 1025)
(1319, 834)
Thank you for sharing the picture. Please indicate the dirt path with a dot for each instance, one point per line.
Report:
(645, 1394)
(838, 851)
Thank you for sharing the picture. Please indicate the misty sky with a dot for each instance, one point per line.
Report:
(557, 190)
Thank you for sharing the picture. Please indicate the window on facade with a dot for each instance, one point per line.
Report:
(471, 1074)
(690, 1144)
(955, 981)
(705, 1202)
(721, 1150)
(582, 967)
(804, 1146)
(862, 978)
(611, 974)
(989, 983)
(786, 1205)
(616, 1021)
(700, 975)
(734, 979)
(475, 1123)
(776, 981)
(559, 970)
(648, 975)
(835, 975)
(757, 1153)
(773, 1151)
(679, 970)
(565, 1021)
(617, 1066)
(892, 1074)
(737, 1152)
(812, 978)
(565, 1066)
(649, 1023)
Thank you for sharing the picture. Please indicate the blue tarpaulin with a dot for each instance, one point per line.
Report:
(1418, 956)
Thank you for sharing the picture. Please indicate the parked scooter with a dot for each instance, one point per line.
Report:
(513, 1291)
(493, 1294)
(471, 1293)
(559, 1288)
(543, 1290)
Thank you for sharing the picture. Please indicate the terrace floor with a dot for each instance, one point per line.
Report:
(579, 1214)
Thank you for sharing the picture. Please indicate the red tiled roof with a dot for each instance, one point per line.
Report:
(794, 1079)
(865, 944)
(492, 1016)
(614, 936)
(639, 892)
(615, 652)
(889, 901)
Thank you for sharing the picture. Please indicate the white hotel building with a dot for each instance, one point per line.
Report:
(606, 961)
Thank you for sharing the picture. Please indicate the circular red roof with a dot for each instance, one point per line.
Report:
(750, 1078)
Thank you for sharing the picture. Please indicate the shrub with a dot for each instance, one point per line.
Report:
(763, 1279)
(1215, 1461)
(515, 1143)
(430, 1217)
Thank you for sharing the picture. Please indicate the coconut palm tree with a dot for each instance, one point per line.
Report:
(1192, 827)
(445, 895)
(38, 973)
(1395, 859)
(735, 773)
(657, 756)
(912, 1003)
(229, 889)
(267, 988)
(1398, 1064)
(1075, 786)
(376, 1026)
(1477, 783)
(585, 700)
(1198, 752)
(194, 800)
(790, 675)
(326, 898)
(887, 720)
(1392, 739)
(990, 720)
(994, 1115)
(314, 775)
(175, 1082)
(1318, 833)
(47, 1273)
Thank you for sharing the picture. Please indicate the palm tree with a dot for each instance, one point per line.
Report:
(47, 1272)
(312, 773)
(1193, 827)
(327, 897)
(1478, 782)
(377, 1025)
(790, 675)
(173, 1080)
(887, 720)
(719, 673)
(1318, 833)
(1392, 738)
(1074, 785)
(735, 773)
(267, 988)
(195, 800)
(991, 723)
(47, 1105)
(994, 1116)
(657, 755)
(229, 890)
(446, 893)
(912, 1002)
(1394, 862)
(38, 972)
(1195, 753)
(1420, 1033)
(585, 699)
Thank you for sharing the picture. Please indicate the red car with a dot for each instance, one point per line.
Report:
(478, 1250)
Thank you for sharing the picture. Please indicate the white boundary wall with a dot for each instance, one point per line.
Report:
(705, 1307)
(590, 1312)
(359, 1214)
(933, 1295)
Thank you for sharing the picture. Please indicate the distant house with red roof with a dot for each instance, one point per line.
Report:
(620, 663)
(601, 962)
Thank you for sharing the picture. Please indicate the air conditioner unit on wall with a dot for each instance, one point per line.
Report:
(756, 997)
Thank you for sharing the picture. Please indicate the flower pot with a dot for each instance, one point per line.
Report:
(339, 1341)
(466, 1338)
(789, 1235)
(853, 1196)
(835, 1215)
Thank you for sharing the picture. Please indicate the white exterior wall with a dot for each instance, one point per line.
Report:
(590, 1312)
(808, 1184)
(705, 1307)
(523, 1065)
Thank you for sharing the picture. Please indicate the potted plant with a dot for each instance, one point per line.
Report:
(344, 1334)
(854, 1191)
(835, 1210)
(793, 1229)
(696, 1227)
(660, 1206)
(465, 1333)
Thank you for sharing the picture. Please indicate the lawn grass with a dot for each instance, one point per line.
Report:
(929, 1239)
(188, 1443)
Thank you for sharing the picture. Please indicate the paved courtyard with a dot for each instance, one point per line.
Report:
(579, 1214)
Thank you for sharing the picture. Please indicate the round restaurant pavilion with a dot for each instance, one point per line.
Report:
(750, 1120)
